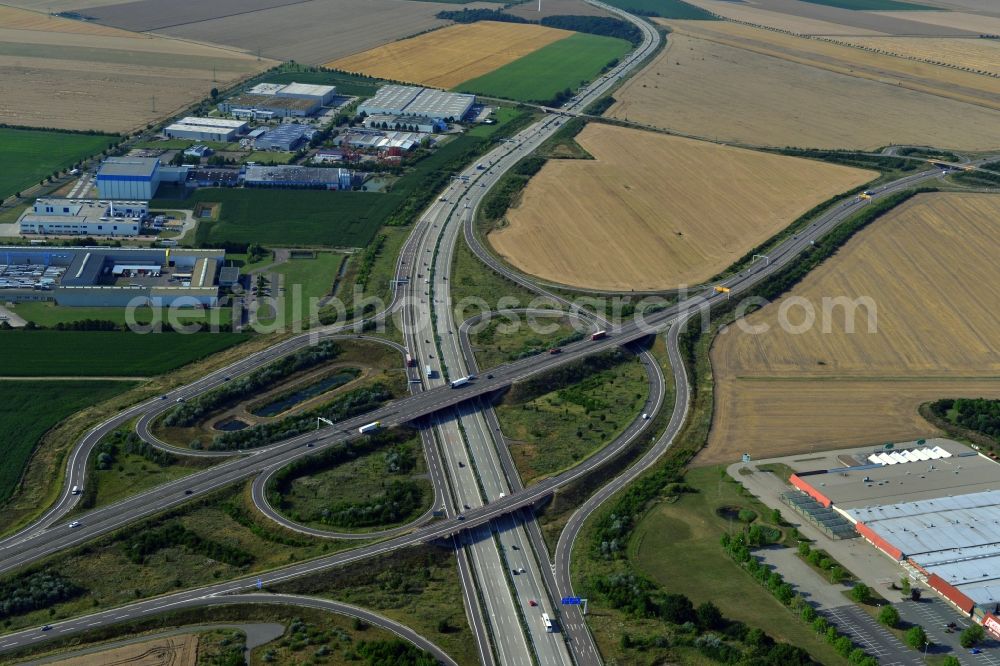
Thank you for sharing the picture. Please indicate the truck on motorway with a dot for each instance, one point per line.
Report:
(410, 361)
(429, 371)
(597, 335)
(461, 381)
(370, 427)
(555, 350)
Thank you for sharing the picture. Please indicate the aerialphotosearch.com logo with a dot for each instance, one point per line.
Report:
(289, 311)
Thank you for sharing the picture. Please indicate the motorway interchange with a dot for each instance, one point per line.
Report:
(508, 582)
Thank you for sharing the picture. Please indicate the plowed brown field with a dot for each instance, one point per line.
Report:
(929, 268)
(654, 211)
(75, 75)
(449, 56)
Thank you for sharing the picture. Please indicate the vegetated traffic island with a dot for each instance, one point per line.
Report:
(29, 156)
(736, 83)
(556, 421)
(418, 586)
(920, 282)
(332, 379)
(360, 486)
(494, 343)
(656, 212)
(213, 538)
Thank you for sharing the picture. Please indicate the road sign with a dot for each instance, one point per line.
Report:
(571, 601)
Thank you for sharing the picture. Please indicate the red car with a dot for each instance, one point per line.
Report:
(532, 602)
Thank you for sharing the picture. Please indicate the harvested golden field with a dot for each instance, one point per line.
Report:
(82, 76)
(802, 25)
(928, 268)
(654, 211)
(708, 88)
(13, 18)
(976, 23)
(823, 54)
(449, 56)
(168, 651)
(976, 54)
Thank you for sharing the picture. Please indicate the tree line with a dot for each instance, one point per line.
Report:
(979, 414)
(34, 591)
(142, 545)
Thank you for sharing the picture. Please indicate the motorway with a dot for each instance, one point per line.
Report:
(447, 408)
(42, 542)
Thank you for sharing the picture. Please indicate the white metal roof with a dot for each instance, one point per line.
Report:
(210, 122)
(307, 89)
(933, 525)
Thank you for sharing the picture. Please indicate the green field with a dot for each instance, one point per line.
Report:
(872, 5)
(674, 9)
(99, 353)
(290, 217)
(314, 279)
(540, 76)
(677, 545)
(356, 481)
(28, 156)
(48, 314)
(268, 156)
(29, 408)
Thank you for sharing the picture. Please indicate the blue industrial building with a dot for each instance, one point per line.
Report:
(110, 277)
(134, 178)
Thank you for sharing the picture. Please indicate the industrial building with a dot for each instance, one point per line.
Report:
(268, 107)
(933, 507)
(402, 123)
(83, 217)
(131, 178)
(376, 140)
(206, 129)
(286, 137)
(437, 105)
(110, 277)
(322, 94)
(290, 176)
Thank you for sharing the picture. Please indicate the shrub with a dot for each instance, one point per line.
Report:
(861, 593)
(916, 637)
(971, 635)
(888, 616)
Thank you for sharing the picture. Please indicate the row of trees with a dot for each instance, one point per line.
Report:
(739, 550)
(703, 627)
(192, 411)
